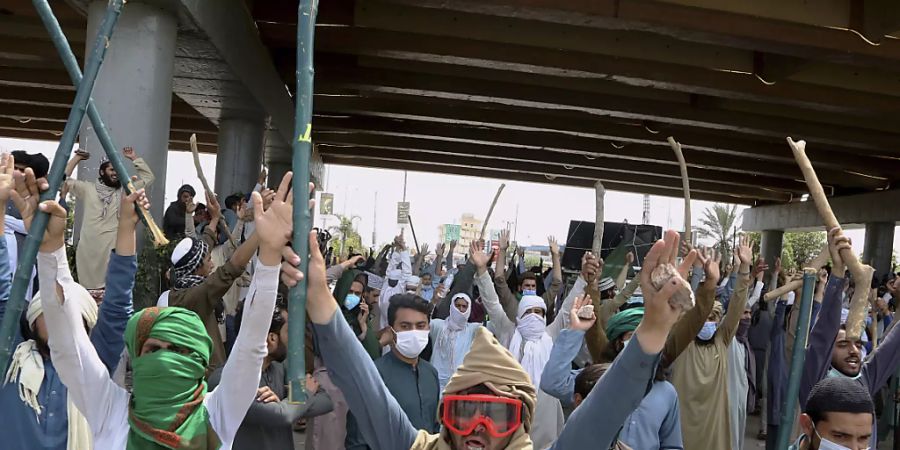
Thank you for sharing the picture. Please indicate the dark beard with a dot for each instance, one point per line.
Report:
(42, 346)
(109, 182)
(280, 353)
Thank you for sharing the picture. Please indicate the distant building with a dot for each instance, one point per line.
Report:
(469, 229)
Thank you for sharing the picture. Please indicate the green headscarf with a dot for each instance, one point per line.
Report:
(166, 410)
(623, 322)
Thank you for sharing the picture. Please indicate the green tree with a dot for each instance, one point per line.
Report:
(800, 248)
(720, 223)
(344, 236)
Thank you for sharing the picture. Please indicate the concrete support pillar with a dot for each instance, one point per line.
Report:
(276, 172)
(134, 89)
(239, 158)
(770, 248)
(878, 247)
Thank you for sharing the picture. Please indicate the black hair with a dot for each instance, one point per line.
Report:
(838, 394)
(588, 377)
(233, 200)
(408, 301)
(104, 165)
(277, 319)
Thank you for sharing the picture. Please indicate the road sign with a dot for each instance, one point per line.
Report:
(326, 204)
(402, 213)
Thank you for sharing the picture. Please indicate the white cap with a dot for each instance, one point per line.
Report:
(181, 249)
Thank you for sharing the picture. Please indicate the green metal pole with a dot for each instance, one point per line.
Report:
(798, 357)
(16, 302)
(302, 148)
(106, 141)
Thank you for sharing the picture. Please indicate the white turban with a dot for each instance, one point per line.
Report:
(74, 293)
(528, 302)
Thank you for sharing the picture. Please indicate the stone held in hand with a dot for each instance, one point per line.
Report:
(586, 312)
(683, 296)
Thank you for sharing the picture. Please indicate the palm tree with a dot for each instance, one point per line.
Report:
(720, 224)
(347, 232)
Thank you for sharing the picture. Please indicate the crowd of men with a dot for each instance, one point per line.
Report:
(412, 350)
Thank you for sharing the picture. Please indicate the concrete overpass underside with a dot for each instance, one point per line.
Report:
(563, 92)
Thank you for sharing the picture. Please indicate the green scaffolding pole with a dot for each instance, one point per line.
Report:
(106, 141)
(302, 148)
(798, 357)
(16, 302)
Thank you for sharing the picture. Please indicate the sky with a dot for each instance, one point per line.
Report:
(532, 210)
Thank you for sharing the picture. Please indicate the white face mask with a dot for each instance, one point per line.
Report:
(411, 343)
(825, 444)
(532, 326)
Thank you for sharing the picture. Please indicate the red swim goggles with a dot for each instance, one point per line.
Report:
(500, 416)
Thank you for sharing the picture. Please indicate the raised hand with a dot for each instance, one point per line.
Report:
(590, 267)
(759, 269)
(127, 213)
(836, 243)
(439, 249)
(521, 251)
(423, 250)
(262, 176)
(711, 263)
(82, 155)
(659, 313)
(400, 242)
(581, 308)
(268, 197)
(190, 207)
(478, 257)
(129, 153)
(554, 246)
(504, 240)
(54, 237)
(212, 205)
(777, 269)
(629, 258)
(27, 194)
(311, 384)
(7, 183)
(744, 253)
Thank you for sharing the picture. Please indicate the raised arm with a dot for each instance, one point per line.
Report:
(228, 403)
(501, 325)
(595, 424)
(108, 336)
(508, 300)
(79, 156)
(623, 274)
(739, 296)
(558, 378)
(145, 175)
(687, 328)
(350, 367)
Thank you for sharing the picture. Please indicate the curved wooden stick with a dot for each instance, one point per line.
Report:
(862, 274)
(491, 210)
(196, 153)
(817, 263)
(686, 185)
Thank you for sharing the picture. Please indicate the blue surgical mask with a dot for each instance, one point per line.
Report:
(708, 331)
(351, 301)
(529, 292)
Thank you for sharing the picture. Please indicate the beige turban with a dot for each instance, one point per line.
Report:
(491, 364)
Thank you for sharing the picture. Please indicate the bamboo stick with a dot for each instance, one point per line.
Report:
(862, 274)
(22, 279)
(302, 149)
(106, 141)
(686, 185)
(798, 357)
(792, 285)
(221, 226)
(491, 210)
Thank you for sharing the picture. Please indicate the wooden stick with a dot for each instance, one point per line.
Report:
(686, 185)
(599, 193)
(817, 263)
(862, 274)
(222, 226)
(491, 210)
